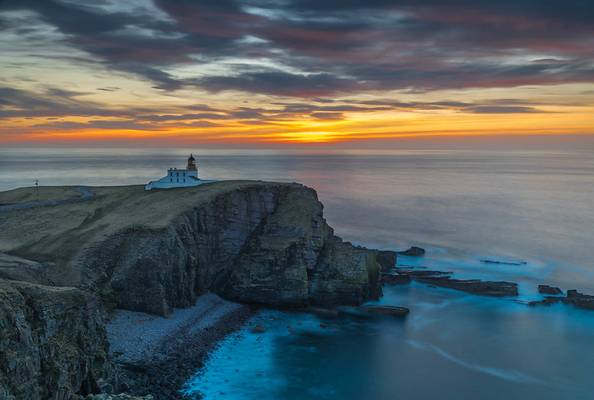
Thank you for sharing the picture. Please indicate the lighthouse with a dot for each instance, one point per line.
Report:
(192, 164)
(177, 178)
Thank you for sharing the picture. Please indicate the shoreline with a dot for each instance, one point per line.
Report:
(157, 355)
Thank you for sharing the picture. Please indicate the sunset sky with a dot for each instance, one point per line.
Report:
(288, 72)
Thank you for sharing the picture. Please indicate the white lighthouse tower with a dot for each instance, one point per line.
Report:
(178, 177)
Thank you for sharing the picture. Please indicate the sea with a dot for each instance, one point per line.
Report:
(533, 210)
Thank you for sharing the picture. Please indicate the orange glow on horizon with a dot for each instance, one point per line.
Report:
(303, 131)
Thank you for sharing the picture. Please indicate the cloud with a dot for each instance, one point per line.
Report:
(181, 117)
(501, 110)
(327, 115)
(323, 48)
(97, 124)
(278, 83)
(52, 102)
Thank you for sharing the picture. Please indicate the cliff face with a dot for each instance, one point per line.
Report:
(63, 264)
(52, 342)
(264, 244)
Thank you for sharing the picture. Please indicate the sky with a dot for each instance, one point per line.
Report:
(266, 73)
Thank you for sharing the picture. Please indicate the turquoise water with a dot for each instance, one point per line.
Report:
(452, 346)
(462, 206)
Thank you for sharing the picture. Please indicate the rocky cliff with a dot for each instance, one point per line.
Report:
(122, 247)
(52, 342)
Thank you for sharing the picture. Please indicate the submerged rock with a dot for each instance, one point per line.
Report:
(546, 289)
(414, 251)
(475, 286)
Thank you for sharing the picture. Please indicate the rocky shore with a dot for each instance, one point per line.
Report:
(72, 263)
(156, 355)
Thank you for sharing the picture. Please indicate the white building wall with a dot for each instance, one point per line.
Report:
(176, 178)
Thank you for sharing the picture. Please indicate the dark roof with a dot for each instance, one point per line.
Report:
(192, 158)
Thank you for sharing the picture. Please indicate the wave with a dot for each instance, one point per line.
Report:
(509, 375)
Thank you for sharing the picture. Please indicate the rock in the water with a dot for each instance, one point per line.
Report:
(391, 311)
(547, 301)
(396, 279)
(546, 289)
(573, 297)
(475, 286)
(414, 251)
(579, 299)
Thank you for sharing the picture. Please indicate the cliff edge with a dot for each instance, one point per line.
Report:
(67, 255)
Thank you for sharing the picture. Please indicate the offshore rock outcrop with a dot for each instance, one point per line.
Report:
(444, 279)
(547, 289)
(573, 297)
(475, 286)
